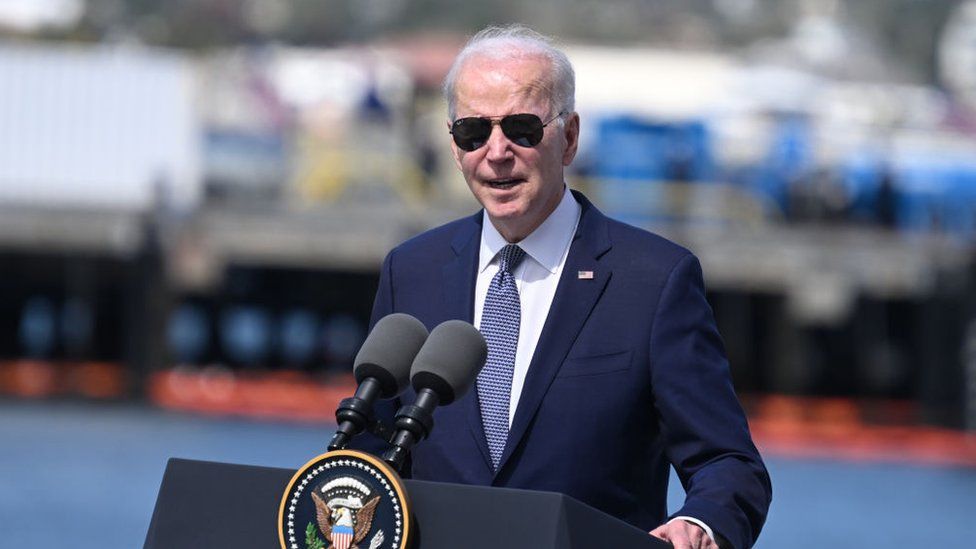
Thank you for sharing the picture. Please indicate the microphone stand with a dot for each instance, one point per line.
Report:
(413, 423)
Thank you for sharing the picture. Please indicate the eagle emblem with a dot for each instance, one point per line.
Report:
(344, 512)
(344, 499)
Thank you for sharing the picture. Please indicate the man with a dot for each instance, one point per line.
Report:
(604, 362)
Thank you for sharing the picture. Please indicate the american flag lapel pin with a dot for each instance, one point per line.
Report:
(584, 275)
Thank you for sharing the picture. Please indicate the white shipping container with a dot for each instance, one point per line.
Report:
(97, 126)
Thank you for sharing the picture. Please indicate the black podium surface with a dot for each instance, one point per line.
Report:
(218, 505)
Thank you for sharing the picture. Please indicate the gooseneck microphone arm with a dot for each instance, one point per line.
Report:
(413, 423)
(355, 414)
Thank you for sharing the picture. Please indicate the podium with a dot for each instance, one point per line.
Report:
(220, 505)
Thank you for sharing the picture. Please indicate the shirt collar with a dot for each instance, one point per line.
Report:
(546, 244)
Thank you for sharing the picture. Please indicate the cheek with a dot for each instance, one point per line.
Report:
(468, 162)
(548, 164)
(460, 160)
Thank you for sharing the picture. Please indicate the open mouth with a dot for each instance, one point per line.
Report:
(504, 183)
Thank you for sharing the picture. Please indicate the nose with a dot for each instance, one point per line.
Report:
(499, 148)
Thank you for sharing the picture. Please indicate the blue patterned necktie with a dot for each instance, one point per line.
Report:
(500, 321)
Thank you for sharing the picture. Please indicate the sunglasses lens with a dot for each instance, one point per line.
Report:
(525, 130)
(471, 133)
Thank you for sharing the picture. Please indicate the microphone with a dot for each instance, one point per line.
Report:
(382, 369)
(443, 371)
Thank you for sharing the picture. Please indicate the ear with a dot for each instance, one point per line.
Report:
(571, 129)
(457, 152)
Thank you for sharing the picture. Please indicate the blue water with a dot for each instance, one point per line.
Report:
(85, 476)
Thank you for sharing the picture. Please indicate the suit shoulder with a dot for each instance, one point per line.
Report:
(640, 243)
(437, 240)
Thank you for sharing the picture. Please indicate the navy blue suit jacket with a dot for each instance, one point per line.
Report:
(629, 376)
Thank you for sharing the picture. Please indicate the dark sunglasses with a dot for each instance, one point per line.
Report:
(525, 130)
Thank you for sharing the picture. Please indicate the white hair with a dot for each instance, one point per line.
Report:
(515, 41)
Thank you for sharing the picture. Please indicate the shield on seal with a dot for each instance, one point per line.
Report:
(341, 536)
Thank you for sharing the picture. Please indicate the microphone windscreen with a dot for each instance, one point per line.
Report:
(450, 360)
(388, 352)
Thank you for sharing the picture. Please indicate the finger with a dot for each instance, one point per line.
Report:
(699, 539)
(660, 532)
(679, 537)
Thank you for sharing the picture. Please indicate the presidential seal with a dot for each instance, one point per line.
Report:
(344, 500)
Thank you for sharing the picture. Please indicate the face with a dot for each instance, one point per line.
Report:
(518, 186)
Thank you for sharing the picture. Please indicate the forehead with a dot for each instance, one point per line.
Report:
(495, 86)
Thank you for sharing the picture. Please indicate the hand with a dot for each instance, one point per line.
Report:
(684, 535)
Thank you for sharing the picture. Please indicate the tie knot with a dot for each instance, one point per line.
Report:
(509, 258)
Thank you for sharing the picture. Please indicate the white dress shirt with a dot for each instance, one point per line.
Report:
(536, 278)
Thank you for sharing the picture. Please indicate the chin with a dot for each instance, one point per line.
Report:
(505, 215)
(511, 204)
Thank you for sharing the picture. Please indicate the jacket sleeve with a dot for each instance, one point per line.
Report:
(706, 435)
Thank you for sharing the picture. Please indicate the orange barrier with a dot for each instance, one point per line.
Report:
(42, 379)
(276, 395)
(29, 378)
(97, 380)
(854, 430)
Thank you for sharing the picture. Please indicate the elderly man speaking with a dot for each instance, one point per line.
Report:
(604, 364)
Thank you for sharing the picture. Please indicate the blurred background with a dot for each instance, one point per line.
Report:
(195, 199)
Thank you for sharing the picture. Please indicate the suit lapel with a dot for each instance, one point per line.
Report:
(459, 281)
(575, 297)
(459, 273)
